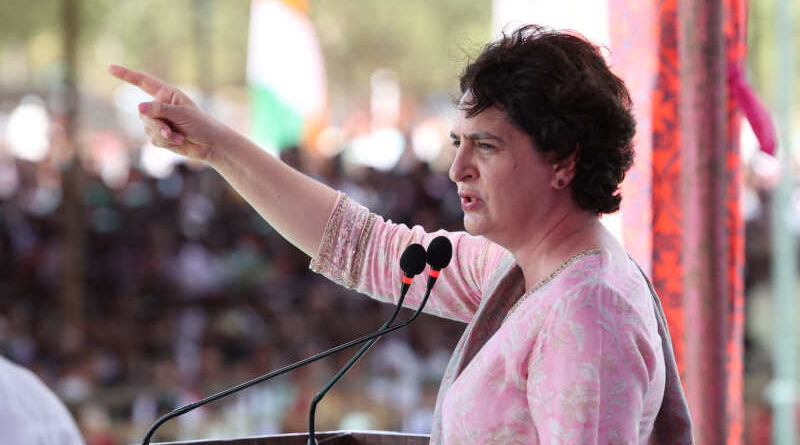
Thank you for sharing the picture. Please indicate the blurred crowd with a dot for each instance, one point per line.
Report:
(188, 291)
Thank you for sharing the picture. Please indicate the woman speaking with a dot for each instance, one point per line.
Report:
(565, 341)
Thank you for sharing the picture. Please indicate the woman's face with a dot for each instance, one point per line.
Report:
(503, 181)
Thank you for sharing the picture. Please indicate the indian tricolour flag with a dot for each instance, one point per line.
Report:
(285, 75)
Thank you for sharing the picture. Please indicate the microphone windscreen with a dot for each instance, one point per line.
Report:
(440, 251)
(413, 260)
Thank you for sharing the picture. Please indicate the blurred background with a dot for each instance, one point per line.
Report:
(132, 281)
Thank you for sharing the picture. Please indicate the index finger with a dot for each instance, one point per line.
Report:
(149, 84)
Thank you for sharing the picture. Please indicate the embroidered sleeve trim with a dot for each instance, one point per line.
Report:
(358, 258)
(342, 251)
(321, 262)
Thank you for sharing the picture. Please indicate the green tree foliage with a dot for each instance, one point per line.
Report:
(764, 58)
(426, 42)
(204, 42)
(21, 20)
(35, 28)
(172, 39)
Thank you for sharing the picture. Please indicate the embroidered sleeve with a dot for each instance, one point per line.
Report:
(342, 250)
(361, 251)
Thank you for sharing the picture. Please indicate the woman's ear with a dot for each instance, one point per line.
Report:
(564, 171)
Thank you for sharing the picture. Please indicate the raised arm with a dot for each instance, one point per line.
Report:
(300, 208)
(294, 204)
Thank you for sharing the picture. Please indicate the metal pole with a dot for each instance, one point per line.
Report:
(784, 265)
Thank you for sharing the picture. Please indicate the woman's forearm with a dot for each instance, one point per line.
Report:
(293, 203)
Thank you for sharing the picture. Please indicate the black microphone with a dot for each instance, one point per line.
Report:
(413, 258)
(440, 252)
(412, 262)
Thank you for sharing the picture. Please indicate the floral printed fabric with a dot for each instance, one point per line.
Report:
(581, 360)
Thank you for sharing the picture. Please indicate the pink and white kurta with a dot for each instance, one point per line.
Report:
(579, 360)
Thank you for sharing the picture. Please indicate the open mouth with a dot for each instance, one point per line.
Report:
(468, 202)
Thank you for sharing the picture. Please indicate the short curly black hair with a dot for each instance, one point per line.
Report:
(556, 87)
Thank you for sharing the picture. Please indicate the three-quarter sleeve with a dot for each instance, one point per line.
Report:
(341, 251)
(362, 251)
(588, 380)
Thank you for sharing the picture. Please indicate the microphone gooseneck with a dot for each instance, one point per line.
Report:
(412, 263)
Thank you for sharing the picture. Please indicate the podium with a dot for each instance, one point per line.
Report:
(323, 438)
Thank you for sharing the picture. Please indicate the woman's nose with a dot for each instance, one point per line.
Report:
(462, 167)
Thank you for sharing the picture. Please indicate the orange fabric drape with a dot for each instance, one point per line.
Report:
(698, 253)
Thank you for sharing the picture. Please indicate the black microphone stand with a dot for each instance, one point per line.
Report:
(312, 439)
(438, 256)
(277, 372)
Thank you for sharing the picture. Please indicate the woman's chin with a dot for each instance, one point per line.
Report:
(472, 225)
